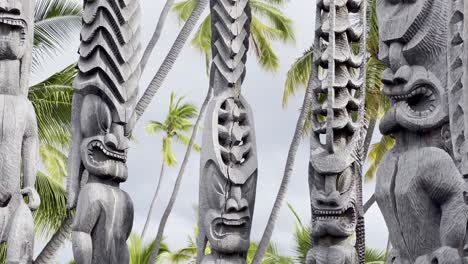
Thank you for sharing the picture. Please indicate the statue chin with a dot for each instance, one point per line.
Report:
(229, 238)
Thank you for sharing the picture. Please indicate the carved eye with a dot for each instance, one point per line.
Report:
(344, 180)
(104, 117)
(250, 185)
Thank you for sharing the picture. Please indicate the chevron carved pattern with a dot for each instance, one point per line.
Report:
(110, 48)
(230, 32)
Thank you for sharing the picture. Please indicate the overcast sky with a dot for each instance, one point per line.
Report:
(274, 129)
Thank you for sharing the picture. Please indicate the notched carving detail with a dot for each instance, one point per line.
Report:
(103, 105)
(337, 118)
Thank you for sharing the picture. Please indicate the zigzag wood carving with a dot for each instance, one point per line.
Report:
(228, 171)
(103, 119)
(337, 119)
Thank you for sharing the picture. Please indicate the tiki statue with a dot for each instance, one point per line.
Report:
(19, 141)
(337, 123)
(105, 95)
(228, 169)
(420, 185)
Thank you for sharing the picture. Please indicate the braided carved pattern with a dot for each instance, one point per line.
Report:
(230, 42)
(458, 95)
(337, 120)
(338, 101)
(109, 50)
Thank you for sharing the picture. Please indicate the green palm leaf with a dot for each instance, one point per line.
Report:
(269, 23)
(52, 101)
(376, 154)
(57, 24)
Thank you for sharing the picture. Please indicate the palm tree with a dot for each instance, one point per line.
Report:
(177, 122)
(269, 24)
(57, 23)
(194, 8)
(170, 58)
(178, 183)
(140, 252)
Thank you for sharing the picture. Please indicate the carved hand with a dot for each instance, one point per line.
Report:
(34, 199)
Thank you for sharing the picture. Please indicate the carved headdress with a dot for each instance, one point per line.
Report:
(106, 90)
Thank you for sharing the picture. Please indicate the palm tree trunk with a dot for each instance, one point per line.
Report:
(171, 58)
(369, 203)
(178, 182)
(263, 246)
(157, 33)
(369, 135)
(153, 203)
(47, 255)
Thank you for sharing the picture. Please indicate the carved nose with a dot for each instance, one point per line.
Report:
(235, 202)
(331, 199)
(116, 138)
(10, 6)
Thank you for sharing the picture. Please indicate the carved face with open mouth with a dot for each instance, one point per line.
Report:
(416, 98)
(105, 143)
(333, 204)
(13, 29)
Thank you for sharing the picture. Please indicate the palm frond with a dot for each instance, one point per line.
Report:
(374, 256)
(298, 75)
(53, 209)
(376, 154)
(52, 100)
(57, 25)
(168, 153)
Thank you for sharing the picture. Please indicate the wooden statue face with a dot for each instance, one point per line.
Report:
(105, 142)
(333, 201)
(228, 176)
(418, 100)
(15, 28)
(228, 211)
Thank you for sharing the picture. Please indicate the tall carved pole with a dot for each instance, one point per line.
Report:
(337, 121)
(103, 119)
(228, 172)
(420, 185)
(19, 140)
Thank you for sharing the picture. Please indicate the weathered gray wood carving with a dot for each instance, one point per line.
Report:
(337, 119)
(19, 139)
(228, 172)
(103, 106)
(419, 183)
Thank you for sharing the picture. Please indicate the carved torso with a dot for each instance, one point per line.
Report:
(16, 114)
(409, 185)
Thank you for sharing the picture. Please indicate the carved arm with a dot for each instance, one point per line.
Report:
(30, 155)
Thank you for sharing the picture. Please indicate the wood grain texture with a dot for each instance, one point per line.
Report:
(228, 167)
(106, 89)
(337, 126)
(420, 188)
(19, 150)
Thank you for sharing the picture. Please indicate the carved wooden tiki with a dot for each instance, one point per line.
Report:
(19, 139)
(420, 186)
(228, 172)
(105, 96)
(337, 119)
